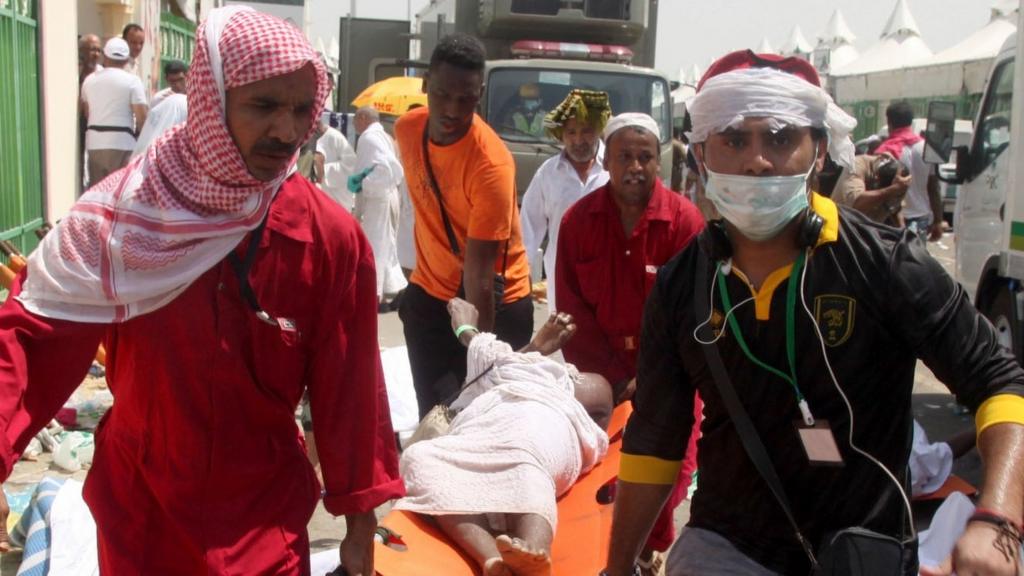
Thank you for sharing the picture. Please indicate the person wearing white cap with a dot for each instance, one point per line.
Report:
(801, 324)
(114, 103)
(610, 246)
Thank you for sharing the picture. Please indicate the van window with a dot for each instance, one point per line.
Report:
(518, 98)
(993, 133)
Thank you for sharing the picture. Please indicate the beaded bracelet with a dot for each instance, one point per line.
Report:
(1009, 536)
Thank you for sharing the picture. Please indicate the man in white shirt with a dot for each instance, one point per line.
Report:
(175, 73)
(566, 177)
(114, 103)
(378, 174)
(334, 162)
(135, 36)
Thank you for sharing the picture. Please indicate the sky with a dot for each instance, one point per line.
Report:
(695, 32)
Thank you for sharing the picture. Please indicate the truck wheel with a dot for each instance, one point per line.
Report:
(1002, 312)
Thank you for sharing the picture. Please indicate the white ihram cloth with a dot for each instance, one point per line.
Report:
(521, 440)
(789, 100)
(555, 187)
(378, 205)
(170, 112)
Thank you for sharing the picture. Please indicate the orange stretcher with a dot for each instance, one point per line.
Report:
(580, 545)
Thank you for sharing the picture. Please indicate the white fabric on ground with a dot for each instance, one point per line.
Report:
(322, 563)
(378, 205)
(74, 534)
(930, 463)
(405, 413)
(521, 440)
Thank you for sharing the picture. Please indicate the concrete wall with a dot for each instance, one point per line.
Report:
(59, 79)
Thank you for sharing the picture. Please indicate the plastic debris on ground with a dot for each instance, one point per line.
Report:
(75, 451)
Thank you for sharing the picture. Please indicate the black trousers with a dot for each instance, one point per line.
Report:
(437, 358)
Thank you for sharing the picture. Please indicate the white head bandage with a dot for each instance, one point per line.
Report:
(788, 100)
(637, 119)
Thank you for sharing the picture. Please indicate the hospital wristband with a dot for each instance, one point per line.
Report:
(464, 328)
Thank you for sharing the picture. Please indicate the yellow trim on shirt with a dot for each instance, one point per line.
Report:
(648, 469)
(999, 409)
(826, 208)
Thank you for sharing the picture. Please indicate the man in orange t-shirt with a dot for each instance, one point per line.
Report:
(475, 182)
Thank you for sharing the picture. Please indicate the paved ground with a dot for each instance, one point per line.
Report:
(933, 407)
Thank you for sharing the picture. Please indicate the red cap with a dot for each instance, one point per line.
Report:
(742, 59)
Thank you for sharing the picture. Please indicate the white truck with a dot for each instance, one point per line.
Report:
(989, 215)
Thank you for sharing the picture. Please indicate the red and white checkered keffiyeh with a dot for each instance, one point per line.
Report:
(139, 238)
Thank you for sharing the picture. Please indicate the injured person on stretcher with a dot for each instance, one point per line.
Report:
(527, 427)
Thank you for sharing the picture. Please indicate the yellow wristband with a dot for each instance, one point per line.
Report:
(999, 409)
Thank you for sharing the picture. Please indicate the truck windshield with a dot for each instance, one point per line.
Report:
(518, 98)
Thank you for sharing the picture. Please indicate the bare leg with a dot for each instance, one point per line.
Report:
(528, 551)
(470, 533)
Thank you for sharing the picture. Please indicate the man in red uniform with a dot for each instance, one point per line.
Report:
(223, 285)
(610, 246)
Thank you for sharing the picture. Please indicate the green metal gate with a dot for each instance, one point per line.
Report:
(177, 40)
(21, 189)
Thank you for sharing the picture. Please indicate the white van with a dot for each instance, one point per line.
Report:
(988, 222)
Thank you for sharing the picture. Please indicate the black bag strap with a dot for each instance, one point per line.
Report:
(453, 243)
(740, 419)
(448, 230)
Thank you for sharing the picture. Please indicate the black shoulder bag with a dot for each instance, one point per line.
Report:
(453, 243)
(852, 551)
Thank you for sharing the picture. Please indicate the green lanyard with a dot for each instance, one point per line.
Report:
(794, 279)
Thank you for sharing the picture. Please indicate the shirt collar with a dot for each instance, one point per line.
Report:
(290, 213)
(826, 208)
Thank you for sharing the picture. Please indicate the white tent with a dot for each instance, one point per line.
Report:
(797, 45)
(985, 42)
(764, 47)
(838, 39)
(900, 46)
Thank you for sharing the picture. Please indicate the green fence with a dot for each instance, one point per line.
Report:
(870, 114)
(21, 189)
(177, 40)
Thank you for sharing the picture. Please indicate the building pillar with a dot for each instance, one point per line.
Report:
(114, 15)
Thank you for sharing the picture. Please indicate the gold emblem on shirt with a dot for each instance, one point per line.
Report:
(834, 314)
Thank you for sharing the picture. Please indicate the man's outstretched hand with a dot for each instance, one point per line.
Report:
(553, 334)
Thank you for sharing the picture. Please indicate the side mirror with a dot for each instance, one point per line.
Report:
(938, 137)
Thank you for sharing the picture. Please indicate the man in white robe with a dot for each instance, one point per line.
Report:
(375, 181)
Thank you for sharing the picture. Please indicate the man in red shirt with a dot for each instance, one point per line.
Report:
(610, 246)
(223, 285)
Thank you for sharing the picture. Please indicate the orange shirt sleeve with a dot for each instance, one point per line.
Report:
(492, 193)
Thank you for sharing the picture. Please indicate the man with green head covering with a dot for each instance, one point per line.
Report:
(567, 176)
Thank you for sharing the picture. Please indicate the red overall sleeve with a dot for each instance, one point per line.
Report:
(589, 349)
(349, 404)
(42, 361)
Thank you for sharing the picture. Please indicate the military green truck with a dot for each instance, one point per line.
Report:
(538, 50)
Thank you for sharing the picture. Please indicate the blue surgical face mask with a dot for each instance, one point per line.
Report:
(758, 206)
(531, 104)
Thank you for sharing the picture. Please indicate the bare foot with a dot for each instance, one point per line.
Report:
(522, 560)
(496, 567)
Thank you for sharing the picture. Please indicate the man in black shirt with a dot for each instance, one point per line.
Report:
(819, 316)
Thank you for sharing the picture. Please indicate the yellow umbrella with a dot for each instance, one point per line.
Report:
(393, 95)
